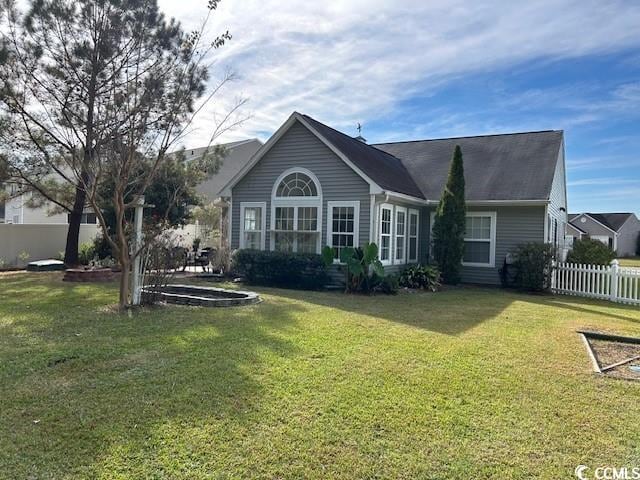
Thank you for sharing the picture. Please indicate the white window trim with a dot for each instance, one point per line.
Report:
(492, 238)
(295, 202)
(403, 260)
(356, 222)
(413, 211)
(386, 206)
(263, 222)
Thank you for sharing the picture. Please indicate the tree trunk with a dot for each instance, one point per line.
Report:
(124, 284)
(73, 233)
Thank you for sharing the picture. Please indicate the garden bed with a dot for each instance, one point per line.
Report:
(89, 275)
(203, 296)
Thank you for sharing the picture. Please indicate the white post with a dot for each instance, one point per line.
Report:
(137, 262)
(614, 280)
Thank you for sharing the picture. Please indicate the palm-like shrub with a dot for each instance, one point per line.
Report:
(361, 265)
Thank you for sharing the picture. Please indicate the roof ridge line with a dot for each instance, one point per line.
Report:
(466, 136)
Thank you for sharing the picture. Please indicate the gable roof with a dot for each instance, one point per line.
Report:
(576, 228)
(383, 168)
(504, 168)
(612, 221)
(514, 166)
(237, 156)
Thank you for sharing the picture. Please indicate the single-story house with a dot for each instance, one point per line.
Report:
(619, 231)
(310, 185)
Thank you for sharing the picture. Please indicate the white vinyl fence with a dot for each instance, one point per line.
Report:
(612, 282)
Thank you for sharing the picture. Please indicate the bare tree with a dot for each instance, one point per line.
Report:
(84, 80)
(98, 88)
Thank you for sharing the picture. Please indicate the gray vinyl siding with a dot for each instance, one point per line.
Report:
(514, 226)
(300, 148)
(558, 200)
(628, 237)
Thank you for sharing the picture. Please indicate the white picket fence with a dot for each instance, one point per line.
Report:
(613, 282)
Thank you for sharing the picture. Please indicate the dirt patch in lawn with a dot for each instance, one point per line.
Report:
(614, 355)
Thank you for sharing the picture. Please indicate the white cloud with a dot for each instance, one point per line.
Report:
(354, 61)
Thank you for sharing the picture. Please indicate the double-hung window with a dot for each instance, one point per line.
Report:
(400, 235)
(252, 225)
(412, 253)
(342, 226)
(385, 234)
(296, 214)
(480, 239)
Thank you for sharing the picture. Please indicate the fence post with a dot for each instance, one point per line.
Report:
(614, 281)
(554, 265)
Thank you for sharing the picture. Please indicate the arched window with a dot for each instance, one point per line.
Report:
(296, 212)
(297, 184)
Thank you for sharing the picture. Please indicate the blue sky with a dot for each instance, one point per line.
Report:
(413, 69)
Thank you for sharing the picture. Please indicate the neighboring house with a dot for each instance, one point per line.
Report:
(311, 185)
(617, 230)
(16, 210)
(237, 155)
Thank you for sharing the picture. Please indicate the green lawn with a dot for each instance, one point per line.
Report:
(630, 262)
(468, 383)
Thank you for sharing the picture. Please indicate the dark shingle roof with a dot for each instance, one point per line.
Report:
(516, 166)
(383, 168)
(612, 220)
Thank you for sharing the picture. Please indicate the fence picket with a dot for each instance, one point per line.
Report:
(614, 283)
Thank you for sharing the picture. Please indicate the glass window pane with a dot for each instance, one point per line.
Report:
(384, 248)
(307, 218)
(252, 218)
(284, 218)
(478, 228)
(413, 224)
(413, 248)
(386, 221)
(283, 241)
(253, 240)
(297, 185)
(476, 252)
(307, 242)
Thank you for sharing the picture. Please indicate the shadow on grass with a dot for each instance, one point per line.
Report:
(82, 385)
(447, 312)
(454, 310)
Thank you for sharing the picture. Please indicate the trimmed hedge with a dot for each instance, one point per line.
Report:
(281, 269)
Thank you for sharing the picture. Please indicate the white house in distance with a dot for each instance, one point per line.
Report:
(41, 233)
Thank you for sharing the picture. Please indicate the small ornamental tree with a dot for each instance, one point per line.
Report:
(449, 223)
